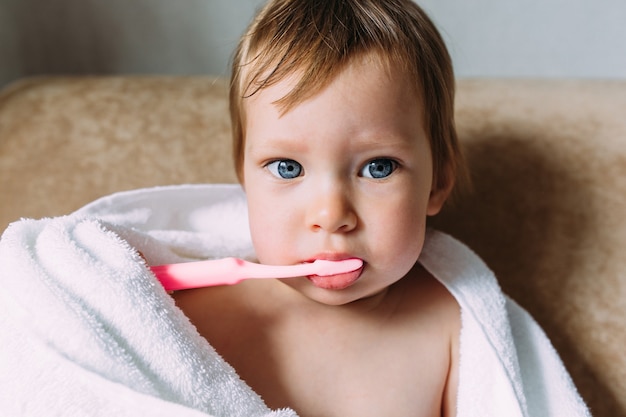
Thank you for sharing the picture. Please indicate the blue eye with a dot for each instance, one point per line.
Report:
(285, 168)
(379, 168)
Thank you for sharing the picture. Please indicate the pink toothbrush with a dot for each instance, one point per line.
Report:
(229, 271)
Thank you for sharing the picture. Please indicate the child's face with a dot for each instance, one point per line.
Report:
(347, 173)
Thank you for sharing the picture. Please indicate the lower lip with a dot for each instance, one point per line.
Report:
(336, 282)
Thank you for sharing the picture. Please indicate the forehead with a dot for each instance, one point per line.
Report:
(364, 102)
(293, 88)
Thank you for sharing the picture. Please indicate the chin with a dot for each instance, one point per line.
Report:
(339, 297)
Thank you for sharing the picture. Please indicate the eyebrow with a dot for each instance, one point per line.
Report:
(274, 144)
(382, 140)
(369, 142)
(390, 141)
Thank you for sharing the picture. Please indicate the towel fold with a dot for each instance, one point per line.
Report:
(87, 329)
(508, 366)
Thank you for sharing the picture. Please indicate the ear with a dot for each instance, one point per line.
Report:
(440, 191)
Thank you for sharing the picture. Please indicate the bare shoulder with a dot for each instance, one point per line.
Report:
(431, 311)
(438, 315)
(423, 296)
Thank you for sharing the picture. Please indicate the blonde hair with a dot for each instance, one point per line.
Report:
(317, 39)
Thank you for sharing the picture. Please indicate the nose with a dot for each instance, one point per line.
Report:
(331, 210)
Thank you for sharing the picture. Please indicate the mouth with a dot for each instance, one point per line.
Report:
(337, 281)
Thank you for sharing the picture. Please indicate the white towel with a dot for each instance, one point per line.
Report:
(508, 366)
(87, 329)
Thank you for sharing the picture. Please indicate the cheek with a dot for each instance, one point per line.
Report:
(404, 239)
(399, 234)
(269, 228)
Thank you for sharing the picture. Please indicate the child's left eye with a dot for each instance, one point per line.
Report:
(378, 168)
(285, 168)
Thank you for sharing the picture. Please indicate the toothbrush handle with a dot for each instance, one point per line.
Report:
(226, 271)
(229, 271)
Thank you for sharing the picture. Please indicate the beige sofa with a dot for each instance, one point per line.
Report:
(547, 212)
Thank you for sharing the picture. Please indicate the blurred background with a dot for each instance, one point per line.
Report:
(487, 38)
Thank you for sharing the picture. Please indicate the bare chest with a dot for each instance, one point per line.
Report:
(320, 369)
(330, 362)
(335, 377)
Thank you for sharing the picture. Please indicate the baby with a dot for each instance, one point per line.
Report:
(344, 142)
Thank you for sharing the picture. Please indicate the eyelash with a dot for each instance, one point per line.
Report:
(275, 169)
(279, 167)
(377, 164)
